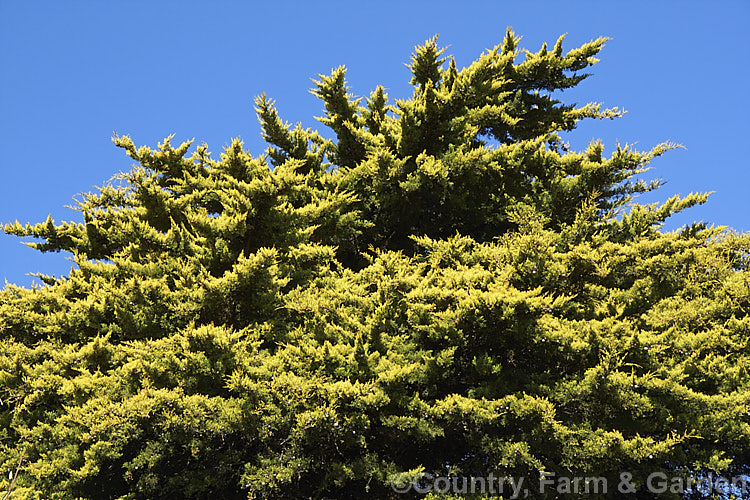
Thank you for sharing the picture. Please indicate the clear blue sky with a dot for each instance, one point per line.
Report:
(71, 73)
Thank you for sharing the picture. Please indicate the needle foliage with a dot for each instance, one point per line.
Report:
(442, 287)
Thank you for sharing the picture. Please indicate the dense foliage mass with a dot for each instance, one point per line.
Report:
(444, 287)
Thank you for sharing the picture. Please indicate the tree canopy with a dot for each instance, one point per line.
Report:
(442, 287)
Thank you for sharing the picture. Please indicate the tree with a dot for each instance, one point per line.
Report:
(442, 288)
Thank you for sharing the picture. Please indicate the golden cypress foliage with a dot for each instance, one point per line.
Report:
(443, 288)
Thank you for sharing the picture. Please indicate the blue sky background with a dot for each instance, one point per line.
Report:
(71, 73)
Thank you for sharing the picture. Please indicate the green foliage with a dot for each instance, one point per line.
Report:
(442, 288)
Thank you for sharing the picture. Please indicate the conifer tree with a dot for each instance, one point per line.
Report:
(443, 288)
